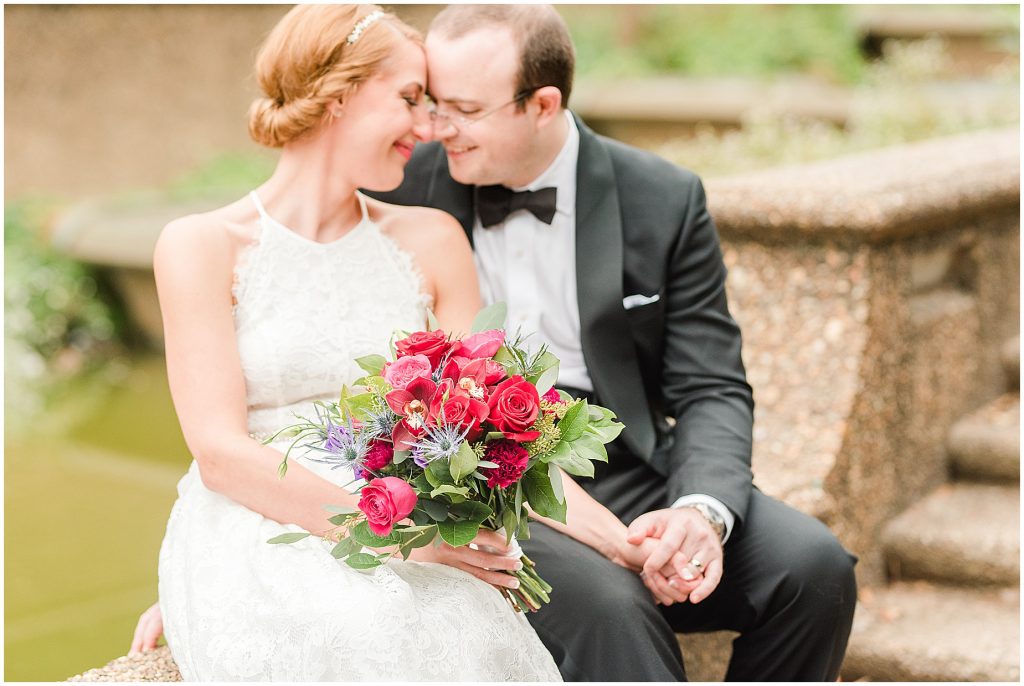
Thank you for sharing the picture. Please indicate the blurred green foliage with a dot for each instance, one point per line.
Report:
(59, 318)
(897, 102)
(716, 40)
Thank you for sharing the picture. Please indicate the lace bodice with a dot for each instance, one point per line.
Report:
(305, 310)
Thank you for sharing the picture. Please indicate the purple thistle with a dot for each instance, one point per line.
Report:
(419, 458)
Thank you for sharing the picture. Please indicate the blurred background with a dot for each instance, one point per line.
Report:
(139, 110)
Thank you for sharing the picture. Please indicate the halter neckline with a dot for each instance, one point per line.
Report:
(365, 219)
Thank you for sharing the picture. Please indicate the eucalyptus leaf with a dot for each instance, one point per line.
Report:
(361, 533)
(435, 510)
(438, 473)
(450, 490)
(472, 511)
(457, 533)
(556, 482)
(463, 462)
(362, 561)
(509, 522)
(606, 432)
(487, 465)
(288, 538)
(345, 547)
(574, 423)
(371, 364)
(340, 519)
(492, 317)
(432, 324)
(401, 456)
(561, 451)
(341, 509)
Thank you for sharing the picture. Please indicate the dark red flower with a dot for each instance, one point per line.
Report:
(511, 459)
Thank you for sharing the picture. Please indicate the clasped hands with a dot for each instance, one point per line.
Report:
(676, 553)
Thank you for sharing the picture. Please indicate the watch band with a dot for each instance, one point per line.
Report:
(712, 517)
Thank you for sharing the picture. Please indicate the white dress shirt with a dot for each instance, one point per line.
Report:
(531, 266)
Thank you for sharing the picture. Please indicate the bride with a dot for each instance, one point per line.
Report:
(265, 303)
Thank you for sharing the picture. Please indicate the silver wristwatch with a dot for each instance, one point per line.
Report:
(713, 518)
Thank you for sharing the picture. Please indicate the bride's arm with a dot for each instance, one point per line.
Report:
(193, 264)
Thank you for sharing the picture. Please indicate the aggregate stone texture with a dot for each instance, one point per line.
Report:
(986, 444)
(153, 665)
(1010, 355)
(963, 533)
(920, 632)
(706, 656)
(875, 195)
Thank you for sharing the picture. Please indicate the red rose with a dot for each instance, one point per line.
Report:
(511, 459)
(514, 405)
(386, 501)
(483, 344)
(433, 344)
(459, 409)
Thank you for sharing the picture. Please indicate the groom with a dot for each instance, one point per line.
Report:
(608, 254)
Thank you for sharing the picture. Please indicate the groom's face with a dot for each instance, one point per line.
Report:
(472, 80)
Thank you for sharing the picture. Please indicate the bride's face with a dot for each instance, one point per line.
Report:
(383, 120)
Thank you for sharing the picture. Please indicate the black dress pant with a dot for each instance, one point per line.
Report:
(788, 588)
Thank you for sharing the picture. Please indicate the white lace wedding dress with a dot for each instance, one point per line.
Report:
(236, 608)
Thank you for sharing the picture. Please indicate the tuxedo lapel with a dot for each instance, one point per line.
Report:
(604, 329)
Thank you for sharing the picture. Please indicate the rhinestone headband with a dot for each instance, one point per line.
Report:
(366, 21)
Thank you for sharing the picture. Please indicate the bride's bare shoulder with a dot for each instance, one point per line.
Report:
(419, 228)
(208, 238)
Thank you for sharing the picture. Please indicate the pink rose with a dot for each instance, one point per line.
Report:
(400, 372)
(386, 501)
(483, 344)
(514, 406)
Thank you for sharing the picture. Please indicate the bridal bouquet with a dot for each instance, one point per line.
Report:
(453, 435)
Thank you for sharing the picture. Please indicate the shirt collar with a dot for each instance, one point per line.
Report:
(561, 173)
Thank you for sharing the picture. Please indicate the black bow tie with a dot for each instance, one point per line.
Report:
(494, 203)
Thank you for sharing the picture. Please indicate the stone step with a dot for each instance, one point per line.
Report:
(986, 444)
(962, 533)
(1011, 363)
(922, 632)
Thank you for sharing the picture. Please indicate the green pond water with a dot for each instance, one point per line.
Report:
(87, 492)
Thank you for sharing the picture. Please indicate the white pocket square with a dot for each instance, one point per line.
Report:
(631, 301)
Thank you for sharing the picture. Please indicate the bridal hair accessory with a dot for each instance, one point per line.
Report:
(366, 21)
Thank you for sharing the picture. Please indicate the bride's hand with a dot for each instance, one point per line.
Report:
(476, 562)
(148, 631)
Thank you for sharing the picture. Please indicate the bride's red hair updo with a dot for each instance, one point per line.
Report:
(307, 61)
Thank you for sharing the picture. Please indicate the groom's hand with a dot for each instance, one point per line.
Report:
(686, 540)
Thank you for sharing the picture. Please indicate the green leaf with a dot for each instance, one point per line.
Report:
(493, 436)
(472, 511)
(432, 324)
(606, 432)
(401, 456)
(416, 537)
(538, 492)
(519, 498)
(340, 519)
(457, 533)
(435, 510)
(288, 538)
(492, 317)
(504, 355)
(345, 547)
(556, 482)
(600, 414)
(509, 521)
(547, 374)
(362, 561)
(561, 451)
(457, 493)
(372, 363)
(341, 509)
(574, 423)
(438, 473)
(590, 448)
(361, 533)
(574, 464)
(463, 462)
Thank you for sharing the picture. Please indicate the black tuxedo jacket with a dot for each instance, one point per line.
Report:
(642, 227)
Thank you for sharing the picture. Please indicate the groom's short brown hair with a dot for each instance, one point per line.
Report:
(546, 54)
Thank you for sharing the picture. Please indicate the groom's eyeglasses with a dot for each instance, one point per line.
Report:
(461, 121)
